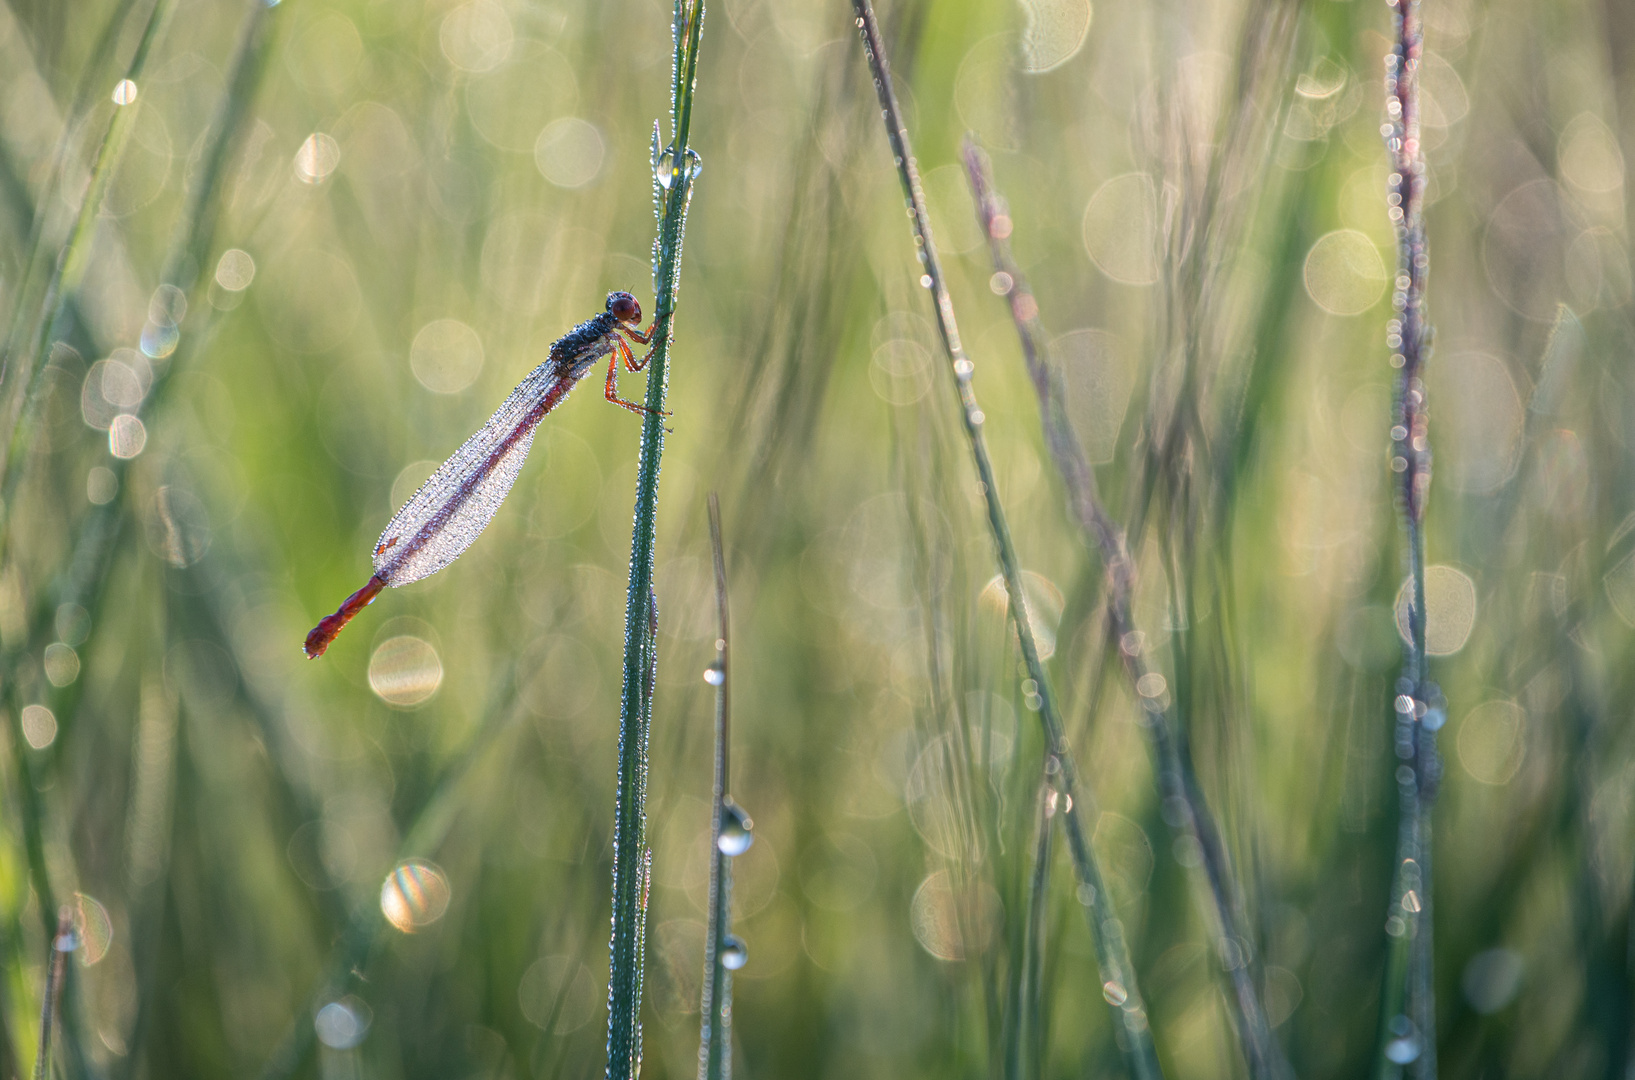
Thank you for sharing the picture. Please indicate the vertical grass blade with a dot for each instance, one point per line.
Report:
(62, 943)
(674, 170)
(1408, 1000)
(729, 836)
(1177, 786)
(26, 345)
(1118, 974)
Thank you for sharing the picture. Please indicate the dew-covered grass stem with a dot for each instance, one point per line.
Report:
(1118, 972)
(1178, 788)
(674, 170)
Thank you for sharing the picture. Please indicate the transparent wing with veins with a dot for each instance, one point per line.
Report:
(455, 505)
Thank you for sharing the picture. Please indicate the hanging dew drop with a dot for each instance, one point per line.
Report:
(715, 674)
(736, 833)
(734, 953)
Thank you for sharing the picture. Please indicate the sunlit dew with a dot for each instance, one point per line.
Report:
(101, 485)
(1491, 979)
(737, 830)
(569, 152)
(935, 919)
(1325, 79)
(1344, 273)
(1477, 421)
(414, 895)
(1054, 33)
(714, 674)
(177, 527)
(235, 270)
(1450, 609)
(73, 624)
(159, 340)
(1588, 156)
(734, 953)
(558, 994)
(1492, 741)
(61, 664)
(476, 37)
(126, 436)
(39, 726)
(1043, 601)
(447, 356)
(111, 387)
(1114, 992)
(94, 927)
(124, 92)
(1120, 229)
(342, 1024)
(900, 371)
(1443, 100)
(317, 158)
(405, 671)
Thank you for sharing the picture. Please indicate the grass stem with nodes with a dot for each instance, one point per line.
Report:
(1117, 972)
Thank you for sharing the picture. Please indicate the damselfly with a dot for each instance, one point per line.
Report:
(452, 508)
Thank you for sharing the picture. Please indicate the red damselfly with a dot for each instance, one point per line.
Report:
(455, 505)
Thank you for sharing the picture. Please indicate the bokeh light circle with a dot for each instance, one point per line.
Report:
(1450, 609)
(569, 152)
(1120, 229)
(1492, 741)
(1344, 273)
(404, 671)
(415, 894)
(447, 356)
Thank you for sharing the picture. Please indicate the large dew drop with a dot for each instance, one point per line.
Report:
(734, 953)
(736, 830)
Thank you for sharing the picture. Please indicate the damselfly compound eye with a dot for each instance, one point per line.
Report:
(624, 307)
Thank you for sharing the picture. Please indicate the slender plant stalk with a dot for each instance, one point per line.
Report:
(1028, 1053)
(673, 172)
(63, 942)
(1117, 972)
(1408, 1005)
(715, 1039)
(26, 346)
(1177, 786)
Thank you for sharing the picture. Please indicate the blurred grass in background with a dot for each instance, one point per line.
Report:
(421, 197)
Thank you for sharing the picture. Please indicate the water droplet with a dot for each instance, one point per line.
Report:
(734, 953)
(1114, 992)
(737, 833)
(414, 895)
(1402, 1051)
(715, 674)
(963, 368)
(124, 92)
(925, 281)
(342, 1024)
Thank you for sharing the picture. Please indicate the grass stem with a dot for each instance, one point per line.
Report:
(1118, 973)
(674, 170)
(1408, 1001)
(1177, 787)
(715, 1039)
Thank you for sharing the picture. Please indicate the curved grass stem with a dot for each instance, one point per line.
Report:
(1118, 973)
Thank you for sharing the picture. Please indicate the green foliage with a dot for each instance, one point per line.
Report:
(379, 215)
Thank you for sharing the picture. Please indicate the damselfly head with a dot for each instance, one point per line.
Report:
(623, 307)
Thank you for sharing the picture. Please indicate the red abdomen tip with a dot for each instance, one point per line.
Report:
(330, 625)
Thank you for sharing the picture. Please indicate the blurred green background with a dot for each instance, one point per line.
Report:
(420, 196)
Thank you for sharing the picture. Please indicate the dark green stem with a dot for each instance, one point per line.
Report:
(674, 171)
